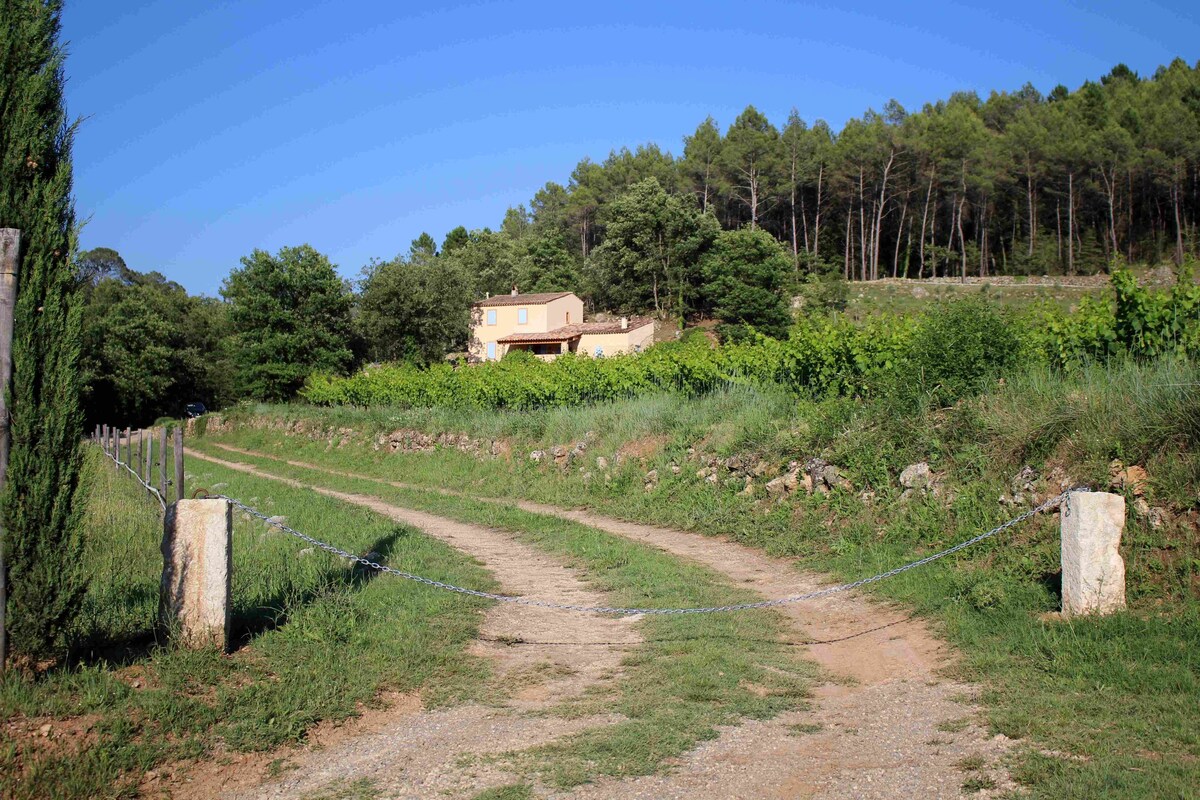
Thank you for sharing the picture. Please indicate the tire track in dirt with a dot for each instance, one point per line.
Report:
(888, 724)
(418, 753)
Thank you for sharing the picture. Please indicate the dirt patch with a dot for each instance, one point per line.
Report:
(643, 449)
(420, 753)
(879, 713)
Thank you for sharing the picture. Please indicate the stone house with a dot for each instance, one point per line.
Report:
(549, 324)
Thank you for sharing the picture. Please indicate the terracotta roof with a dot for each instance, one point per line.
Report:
(521, 299)
(569, 332)
(557, 335)
(612, 327)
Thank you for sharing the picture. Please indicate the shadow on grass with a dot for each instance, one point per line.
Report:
(249, 623)
(1052, 583)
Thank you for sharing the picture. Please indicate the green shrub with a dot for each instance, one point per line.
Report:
(958, 346)
(1136, 321)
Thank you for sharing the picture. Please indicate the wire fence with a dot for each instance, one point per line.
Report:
(1062, 500)
(111, 443)
(140, 461)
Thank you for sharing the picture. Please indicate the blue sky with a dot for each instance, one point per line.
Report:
(211, 129)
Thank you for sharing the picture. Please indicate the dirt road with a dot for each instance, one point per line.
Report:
(886, 724)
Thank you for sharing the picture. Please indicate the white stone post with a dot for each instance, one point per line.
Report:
(1093, 572)
(197, 568)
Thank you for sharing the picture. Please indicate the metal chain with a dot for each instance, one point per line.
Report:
(1062, 499)
(161, 501)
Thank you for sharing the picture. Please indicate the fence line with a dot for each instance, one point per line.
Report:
(109, 440)
(1062, 500)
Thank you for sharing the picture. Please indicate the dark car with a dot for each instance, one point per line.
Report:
(195, 409)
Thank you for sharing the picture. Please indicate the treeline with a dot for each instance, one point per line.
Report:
(1019, 183)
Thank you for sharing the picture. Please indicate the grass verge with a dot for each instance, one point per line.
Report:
(316, 641)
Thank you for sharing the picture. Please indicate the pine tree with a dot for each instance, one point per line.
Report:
(41, 501)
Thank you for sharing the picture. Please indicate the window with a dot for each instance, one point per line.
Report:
(491, 349)
(568, 317)
(491, 316)
(522, 316)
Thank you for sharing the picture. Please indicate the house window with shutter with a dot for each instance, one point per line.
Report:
(522, 316)
(491, 316)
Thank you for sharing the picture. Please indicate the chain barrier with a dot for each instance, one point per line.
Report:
(1060, 500)
(157, 495)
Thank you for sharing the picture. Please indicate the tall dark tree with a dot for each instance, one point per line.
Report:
(649, 255)
(415, 310)
(747, 273)
(148, 348)
(290, 316)
(41, 499)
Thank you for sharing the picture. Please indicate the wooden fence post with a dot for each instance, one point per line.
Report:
(104, 438)
(137, 465)
(197, 567)
(128, 446)
(1093, 572)
(179, 462)
(10, 250)
(162, 462)
(149, 452)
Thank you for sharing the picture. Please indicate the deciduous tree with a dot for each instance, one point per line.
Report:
(290, 316)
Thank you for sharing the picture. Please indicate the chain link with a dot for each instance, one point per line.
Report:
(1061, 499)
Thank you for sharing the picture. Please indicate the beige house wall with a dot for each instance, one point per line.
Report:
(539, 319)
(614, 343)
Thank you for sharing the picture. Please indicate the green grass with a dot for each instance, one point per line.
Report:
(1113, 698)
(317, 640)
(693, 672)
(361, 789)
(871, 298)
(516, 791)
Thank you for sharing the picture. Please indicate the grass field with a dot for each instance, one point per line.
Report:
(1104, 707)
(911, 297)
(316, 641)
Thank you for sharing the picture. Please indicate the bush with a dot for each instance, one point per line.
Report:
(1137, 321)
(958, 346)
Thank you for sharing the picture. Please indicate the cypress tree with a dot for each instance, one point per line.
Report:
(40, 503)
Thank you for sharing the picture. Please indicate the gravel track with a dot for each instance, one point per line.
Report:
(420, 753)
(886, 724)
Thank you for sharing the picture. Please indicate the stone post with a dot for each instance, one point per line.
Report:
(1093, 572)
(197, 568)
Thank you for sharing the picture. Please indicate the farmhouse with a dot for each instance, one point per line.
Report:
(549, 324)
